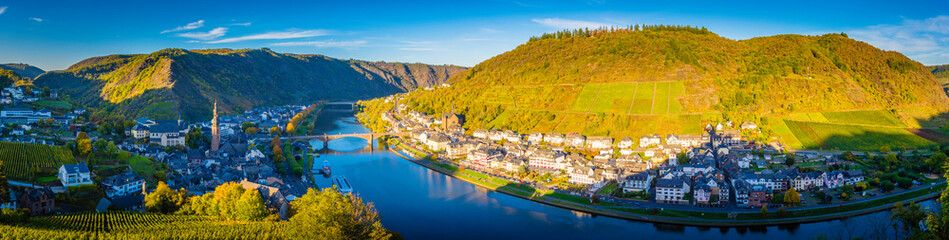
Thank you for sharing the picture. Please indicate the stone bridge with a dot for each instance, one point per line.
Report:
(326, 138)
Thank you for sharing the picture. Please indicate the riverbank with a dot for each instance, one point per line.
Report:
(742, 218)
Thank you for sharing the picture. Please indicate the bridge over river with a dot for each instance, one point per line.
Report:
(326, 138)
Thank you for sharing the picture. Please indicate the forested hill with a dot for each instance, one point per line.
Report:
(665, 79)
(941, 72)
(8, 77)
(172, 81)
(23, 69)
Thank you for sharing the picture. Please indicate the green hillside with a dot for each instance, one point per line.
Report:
(23, 69)
(665, 79)
(172, 81)
(8, 77)
(941, 72)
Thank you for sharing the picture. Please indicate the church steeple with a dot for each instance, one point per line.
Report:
(215, 131)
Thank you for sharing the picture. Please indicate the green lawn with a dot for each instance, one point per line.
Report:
(872, 117)
(852, 137)
(143, 166)
(605, 191)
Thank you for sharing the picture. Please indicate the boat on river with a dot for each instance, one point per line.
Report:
(342, 185)
(326, 167)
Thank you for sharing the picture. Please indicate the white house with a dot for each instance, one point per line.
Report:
(649, 140)
(123, 184)
(600, 142)
(74, 174)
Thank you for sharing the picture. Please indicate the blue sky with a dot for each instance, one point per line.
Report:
(55, 34)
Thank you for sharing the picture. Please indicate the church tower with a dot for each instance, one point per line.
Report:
(215, 131)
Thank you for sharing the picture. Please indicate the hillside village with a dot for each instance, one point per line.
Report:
(718, 168)
(122, 166)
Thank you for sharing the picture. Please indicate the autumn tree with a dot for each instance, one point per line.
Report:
(791, 197)
(250, 207)
(83, 143)
(337, 216)
(226, 195)
(274, 131)
(165, 200)
(938, 220)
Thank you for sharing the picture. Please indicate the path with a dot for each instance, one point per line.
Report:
(635, 91)
(594, 99)
(653, 107)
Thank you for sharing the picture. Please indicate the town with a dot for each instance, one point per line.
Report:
(114, 170)
(718, 168)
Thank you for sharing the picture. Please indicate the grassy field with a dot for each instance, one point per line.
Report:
(852, 137)
(54, 104)
(872, 117)
(614, 98)
(660, 105)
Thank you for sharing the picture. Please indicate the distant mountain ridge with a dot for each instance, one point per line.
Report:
(23, 69)
(169, 82)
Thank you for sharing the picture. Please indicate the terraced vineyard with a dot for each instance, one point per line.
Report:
(829, 136)
(630, 98)
(20, 159)
(135, 225)
(112, 221)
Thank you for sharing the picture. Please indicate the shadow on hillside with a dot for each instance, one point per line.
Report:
(872, 140)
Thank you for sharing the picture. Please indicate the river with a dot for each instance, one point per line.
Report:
(423, 204)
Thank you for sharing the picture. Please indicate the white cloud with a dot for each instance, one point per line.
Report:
(246, 24)
(3, 10)
(490, 30)
(214, 33)
(569, 24)
(36, 19)
(324, 44)
(190, 26)
(925, 40)
(276, 35)
(418, 49)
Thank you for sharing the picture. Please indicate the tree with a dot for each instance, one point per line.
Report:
(886, 185)
(246, 125)
(104, 129)
(938, 221)
(885, 149)
(165, 200)
(250, 207)
(100, 145)
(337, 216)
(848, 156)
(937, 162)
(4, 186)
(112, 150)
(274, 131)
(251, 130)
(683, 158)
(907, 218)
(83, 143)
(46, 91)
(226, 195)
(790, 160)
(791, 197)
(764, 210)
(195, 138)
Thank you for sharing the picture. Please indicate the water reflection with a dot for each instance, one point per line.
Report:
(423, 204)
